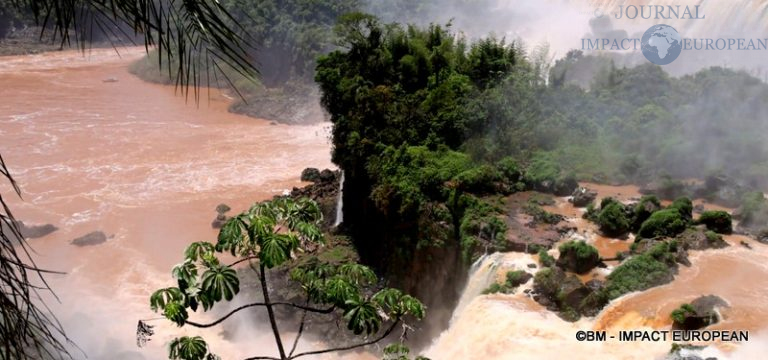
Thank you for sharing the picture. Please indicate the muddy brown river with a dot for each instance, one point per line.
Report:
(138, 162)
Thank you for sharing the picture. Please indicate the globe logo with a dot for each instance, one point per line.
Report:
(661, 44)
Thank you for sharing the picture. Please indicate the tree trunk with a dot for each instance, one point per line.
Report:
(272, 321)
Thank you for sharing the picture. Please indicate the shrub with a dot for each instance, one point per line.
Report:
(509, 170)
(494, 289)
(479, 180)
(753, 208)
(667, 222)
(612, 218)
(717, 221)
(543, 169)
(684, 206)
(578, 256)
(648, 205)
(540, 215)
(516, 278)
(545, 259)
(641, 272)
(678, 315)
(547, 281)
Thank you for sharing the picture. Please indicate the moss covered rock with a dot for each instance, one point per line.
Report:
(578, 257)
(612, 218)
(668, 222)
(717, 221)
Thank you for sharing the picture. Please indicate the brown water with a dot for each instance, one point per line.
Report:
(138, 162)
(515, 327)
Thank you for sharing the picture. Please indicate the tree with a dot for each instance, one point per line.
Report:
(195, 36)
(269, 235)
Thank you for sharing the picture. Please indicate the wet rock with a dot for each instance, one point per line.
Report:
(676, 353)
(595, 284)
(94, 238)
(532, 266)
(699, 314)
(223, 208)
(698, 208)
(325, 192)
(565, 186)
(35, 231)
(573, 292)
(29, 231)
(221, 218)
(219, 221)
(327, 175)
(310, 175)
(745, 244)
(578, 257)
(582, 197)
(699, 238)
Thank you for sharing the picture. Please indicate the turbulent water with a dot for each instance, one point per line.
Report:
(513, 326)
(135, 161)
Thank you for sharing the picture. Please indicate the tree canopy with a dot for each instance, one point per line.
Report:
(270, 235)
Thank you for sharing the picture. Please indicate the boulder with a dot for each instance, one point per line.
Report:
(28, 231)
(327, 175)
(700, 313)
(565, 186)
(223, 208)
(578, 257)
(35, 231)
(219, 221)
(310, 175)
(94, 238)
(699, 238)
(582, 197)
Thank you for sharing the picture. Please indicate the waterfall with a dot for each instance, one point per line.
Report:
(340, 202)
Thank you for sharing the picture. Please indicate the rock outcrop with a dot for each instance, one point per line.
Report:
(582, 197)
(94, 238)
(700, 313)
(221, 217)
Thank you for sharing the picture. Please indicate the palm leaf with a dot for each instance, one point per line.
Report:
(219, 283)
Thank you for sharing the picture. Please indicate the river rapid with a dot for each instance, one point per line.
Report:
(513, 326)
(140, 163)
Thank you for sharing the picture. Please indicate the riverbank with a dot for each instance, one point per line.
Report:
(28, 42)
(293, 103)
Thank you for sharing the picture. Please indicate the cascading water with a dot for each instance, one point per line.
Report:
(340, 202)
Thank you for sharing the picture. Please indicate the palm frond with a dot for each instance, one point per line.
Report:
(193, 37)
(28, 329)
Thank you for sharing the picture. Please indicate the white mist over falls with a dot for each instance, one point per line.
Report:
(136, 161)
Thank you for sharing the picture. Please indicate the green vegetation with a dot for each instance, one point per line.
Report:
(640, 272)
(612, 218)
(667, 222)
(684, 206)
(514, 279)
(644, 209)
(717, 221)
(547, 281)
(578, 256)
(540, 215)
(545, 259)
(754, 209)
(268, 236)
(678, 315)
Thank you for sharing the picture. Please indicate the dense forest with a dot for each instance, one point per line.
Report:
(430, 128)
